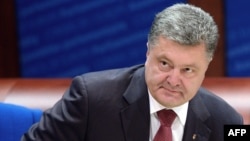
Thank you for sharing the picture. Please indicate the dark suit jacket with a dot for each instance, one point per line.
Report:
(114, 106)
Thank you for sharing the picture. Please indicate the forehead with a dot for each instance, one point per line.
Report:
(168, 44)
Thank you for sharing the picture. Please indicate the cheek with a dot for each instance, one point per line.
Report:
(155, 77)
(192, 86)
(153, 74)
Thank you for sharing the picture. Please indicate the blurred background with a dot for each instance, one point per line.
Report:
(65, 38)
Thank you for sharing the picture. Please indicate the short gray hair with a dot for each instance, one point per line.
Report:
(187, 25)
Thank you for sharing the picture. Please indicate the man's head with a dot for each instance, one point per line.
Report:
(181, 44)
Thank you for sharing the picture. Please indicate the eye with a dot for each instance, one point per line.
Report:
(164, 63)
(164, 66)
(189, 70)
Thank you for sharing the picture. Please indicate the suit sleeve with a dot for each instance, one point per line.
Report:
(66, 120)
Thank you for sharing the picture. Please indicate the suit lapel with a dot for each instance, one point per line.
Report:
(135, 116)
(195, 128)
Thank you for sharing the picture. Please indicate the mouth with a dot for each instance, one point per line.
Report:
(169, 90)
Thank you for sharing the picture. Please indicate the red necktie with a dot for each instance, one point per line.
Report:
(166, 118)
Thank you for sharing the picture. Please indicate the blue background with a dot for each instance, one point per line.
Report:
(237, 37)
(65, 38)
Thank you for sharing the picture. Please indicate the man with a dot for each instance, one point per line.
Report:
(122, 104)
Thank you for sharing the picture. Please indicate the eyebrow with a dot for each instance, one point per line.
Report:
(192, 65)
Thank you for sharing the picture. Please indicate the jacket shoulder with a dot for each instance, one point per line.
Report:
(106, 80)
(219, 107)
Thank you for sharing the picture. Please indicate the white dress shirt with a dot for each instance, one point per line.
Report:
(178, 124)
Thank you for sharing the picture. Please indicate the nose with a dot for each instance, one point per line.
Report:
(173, 78)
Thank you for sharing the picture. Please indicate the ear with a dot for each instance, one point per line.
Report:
(147, 53)
(210, 59)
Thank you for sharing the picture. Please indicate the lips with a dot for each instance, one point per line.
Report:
(170, 90)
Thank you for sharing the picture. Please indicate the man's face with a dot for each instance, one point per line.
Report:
(175, 72)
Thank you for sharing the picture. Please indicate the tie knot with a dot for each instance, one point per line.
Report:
(166, 117)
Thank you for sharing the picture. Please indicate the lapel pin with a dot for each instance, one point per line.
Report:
(194, 136)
